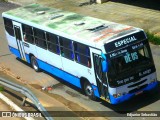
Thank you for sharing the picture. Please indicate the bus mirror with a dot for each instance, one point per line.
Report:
(104, 66)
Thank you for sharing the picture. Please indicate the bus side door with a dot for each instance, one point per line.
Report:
(19, 40)
(100, 77)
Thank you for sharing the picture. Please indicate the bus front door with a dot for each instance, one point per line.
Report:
(17, 30)
(101, 78)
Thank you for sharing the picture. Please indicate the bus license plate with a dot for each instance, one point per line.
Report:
(140, 92)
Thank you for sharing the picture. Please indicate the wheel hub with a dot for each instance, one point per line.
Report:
(35, 64)
(89, 90)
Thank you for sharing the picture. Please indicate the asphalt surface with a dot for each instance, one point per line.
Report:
(150, 102)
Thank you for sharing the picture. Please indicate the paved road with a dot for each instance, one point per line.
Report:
(151, 102)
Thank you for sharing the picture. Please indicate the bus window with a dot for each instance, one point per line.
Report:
(39, 33)
(40, 38)
(66, 48)
(28, 34)
(52, 38)
(8, 22)
(27, 29)
(9, 30)
(82, 54)
(52, 41)
(41, 43)
(28, 38)
(9, 26)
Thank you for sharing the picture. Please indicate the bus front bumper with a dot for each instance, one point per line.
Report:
(151, 87)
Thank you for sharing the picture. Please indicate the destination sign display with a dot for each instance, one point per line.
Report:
(123, 51)
(122, 42)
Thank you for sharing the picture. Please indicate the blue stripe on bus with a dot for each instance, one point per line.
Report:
(123, 98)
(59, 73)
(96, 92)
(51, 69)
(27, 58)
(15, 51)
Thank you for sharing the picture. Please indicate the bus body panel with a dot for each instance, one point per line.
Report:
(42, 54)
(54, 59)
(15, 51)
(11, 40)
(30, 49)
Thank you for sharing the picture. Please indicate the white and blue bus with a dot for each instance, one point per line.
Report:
(107, 60)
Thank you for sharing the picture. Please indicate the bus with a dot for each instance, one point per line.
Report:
(107, 60)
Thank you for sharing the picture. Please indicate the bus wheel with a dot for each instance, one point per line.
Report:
(35, 64)
(89, 90)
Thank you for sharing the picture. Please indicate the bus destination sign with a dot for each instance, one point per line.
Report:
(128, 40)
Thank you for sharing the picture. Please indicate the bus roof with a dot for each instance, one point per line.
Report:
(87, 29)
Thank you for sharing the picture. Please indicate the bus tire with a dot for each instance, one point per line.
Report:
(89, 90)
(34, 64)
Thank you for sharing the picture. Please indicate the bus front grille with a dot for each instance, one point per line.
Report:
(136, 84)
(138, 88)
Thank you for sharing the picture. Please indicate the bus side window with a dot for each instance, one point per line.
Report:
(82, 54)
(39, 33)
(9, 26)
(27, 34)
(40, 39)
(66, 46)
(41, 43)
(8, 22)
(52, 41)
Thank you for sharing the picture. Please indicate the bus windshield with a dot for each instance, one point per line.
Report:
(130, 61)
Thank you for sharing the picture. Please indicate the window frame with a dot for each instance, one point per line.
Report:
(25, 34)
(38, 38)
(5, 21)
(41, 34)
(89, 64)
(62, 48)
(41, 40)
(50, 42)
(9, 28)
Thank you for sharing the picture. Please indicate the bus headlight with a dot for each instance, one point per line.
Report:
(153, 80)
(117, 95)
